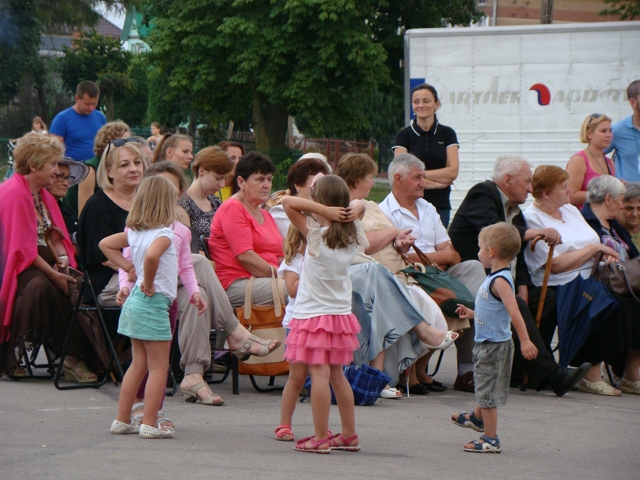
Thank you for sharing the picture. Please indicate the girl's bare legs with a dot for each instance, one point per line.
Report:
(158, 363)
(344, 397)
(131, 381)
(295, 382)
(320, 400)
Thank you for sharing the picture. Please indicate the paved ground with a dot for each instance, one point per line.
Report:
(45, 433)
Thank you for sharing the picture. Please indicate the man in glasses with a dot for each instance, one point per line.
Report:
(626, 139)
(71, 173)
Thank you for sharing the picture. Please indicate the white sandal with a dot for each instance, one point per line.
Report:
(627, 386)
(121, 428)
(147, 431)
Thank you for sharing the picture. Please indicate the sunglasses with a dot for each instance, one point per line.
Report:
(120, 142)
(61, 178)
(592, 117)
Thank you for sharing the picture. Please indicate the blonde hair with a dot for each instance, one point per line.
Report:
(111, 157)
(109, 131)
(212, 159)
(154, 205)
(168, 140)
(35, 150)
(292, 243)
(503, 237)
(590, 124)
(332, 191)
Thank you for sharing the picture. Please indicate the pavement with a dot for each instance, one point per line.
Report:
(51, 434)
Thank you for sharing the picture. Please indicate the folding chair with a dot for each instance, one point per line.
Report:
(99, 309)
(29, 362)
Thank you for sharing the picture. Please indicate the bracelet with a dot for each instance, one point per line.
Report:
(64, 256)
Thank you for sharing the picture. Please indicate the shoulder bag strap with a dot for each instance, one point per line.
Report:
(277, 292)
(423, 257)
(248, 298)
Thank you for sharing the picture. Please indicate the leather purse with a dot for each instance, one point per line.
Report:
(446, 291)
(264, 321)
(622, 278)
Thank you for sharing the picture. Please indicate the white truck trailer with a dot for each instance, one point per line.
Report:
(522, 89)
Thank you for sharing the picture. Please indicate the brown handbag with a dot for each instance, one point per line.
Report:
(264, 321)
(622, 278)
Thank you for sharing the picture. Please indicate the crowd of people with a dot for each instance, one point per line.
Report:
(136, 224)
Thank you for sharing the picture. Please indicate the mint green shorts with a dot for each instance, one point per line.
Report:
(145, 318)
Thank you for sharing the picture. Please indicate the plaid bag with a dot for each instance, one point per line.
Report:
(366, 382)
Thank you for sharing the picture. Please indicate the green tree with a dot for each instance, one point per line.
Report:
(21, 24)
(278, 57)
(132, 105)
(627, 9)
(99, 59)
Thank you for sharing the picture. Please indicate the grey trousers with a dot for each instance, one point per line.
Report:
(194, 329)
(107, 298)
(471, 273)
(262, 292)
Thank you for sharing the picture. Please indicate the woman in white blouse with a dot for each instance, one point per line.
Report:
(573, 257)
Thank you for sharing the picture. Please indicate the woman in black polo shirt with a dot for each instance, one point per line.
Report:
(435, 144)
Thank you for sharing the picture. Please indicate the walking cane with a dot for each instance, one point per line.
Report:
(543, 294)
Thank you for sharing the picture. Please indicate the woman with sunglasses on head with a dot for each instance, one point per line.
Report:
(590, 162)
(107, 132)
(71, 174)
(174, 148)
(120, 172)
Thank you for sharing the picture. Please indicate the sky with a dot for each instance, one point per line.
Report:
(114, 18)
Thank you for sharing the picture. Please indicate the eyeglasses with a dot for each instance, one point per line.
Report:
(119, 142)
(62, 177)
(592, 117)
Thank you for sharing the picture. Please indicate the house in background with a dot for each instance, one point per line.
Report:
(528, 12)
(53, 42)
(134, 33)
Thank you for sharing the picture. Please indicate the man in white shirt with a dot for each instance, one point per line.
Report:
(408, 210)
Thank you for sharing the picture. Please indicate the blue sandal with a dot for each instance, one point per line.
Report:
(487, 445)
(468, 422)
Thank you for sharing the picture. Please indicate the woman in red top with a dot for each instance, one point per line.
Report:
(590, 162)
(244, 238)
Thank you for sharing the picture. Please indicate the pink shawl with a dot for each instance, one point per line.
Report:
(18, 234)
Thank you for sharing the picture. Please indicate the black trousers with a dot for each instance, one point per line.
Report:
(544, 364)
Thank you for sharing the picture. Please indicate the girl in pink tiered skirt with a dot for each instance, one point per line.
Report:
(323, 329)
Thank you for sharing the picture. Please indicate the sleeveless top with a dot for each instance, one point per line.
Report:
(200, 220)
(591, 173)
(493, 323)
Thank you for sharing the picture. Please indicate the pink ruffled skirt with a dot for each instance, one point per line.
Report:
(322, 340)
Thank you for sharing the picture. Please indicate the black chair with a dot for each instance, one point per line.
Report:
(29, 362)
(99, 310)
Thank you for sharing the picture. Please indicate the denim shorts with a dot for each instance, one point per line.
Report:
(492, 364)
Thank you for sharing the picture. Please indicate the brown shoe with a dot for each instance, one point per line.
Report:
(465, 383)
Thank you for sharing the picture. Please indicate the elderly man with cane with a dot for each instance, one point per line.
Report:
(499, 200)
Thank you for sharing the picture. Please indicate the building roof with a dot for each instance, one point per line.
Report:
(103, 27)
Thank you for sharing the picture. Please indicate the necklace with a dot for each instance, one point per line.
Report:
(604, 170)
(254, 211)
(43, 221)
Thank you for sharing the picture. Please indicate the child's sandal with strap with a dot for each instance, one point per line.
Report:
(344, 443)
(301, 445)
(281, 433)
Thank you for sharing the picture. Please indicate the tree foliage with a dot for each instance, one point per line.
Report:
(279, 57)
(100, 59)
(627, 9)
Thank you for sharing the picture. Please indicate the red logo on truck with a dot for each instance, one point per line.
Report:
(539, 96)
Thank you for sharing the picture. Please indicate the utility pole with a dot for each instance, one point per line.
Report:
(546, 12)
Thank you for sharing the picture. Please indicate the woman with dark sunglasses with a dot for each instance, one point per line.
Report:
(120, 172)
(590, 162)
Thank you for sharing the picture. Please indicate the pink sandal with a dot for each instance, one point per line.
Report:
(345, 443)
(281, 431)
(301, 445)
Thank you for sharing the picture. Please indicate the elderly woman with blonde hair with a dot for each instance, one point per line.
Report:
(35, 306)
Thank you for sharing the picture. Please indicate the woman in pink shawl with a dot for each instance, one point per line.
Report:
(34, 295)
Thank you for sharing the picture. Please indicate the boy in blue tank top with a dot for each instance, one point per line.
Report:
(495, 309)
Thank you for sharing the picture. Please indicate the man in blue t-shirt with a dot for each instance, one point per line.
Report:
(626, 139)
(77, 125)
